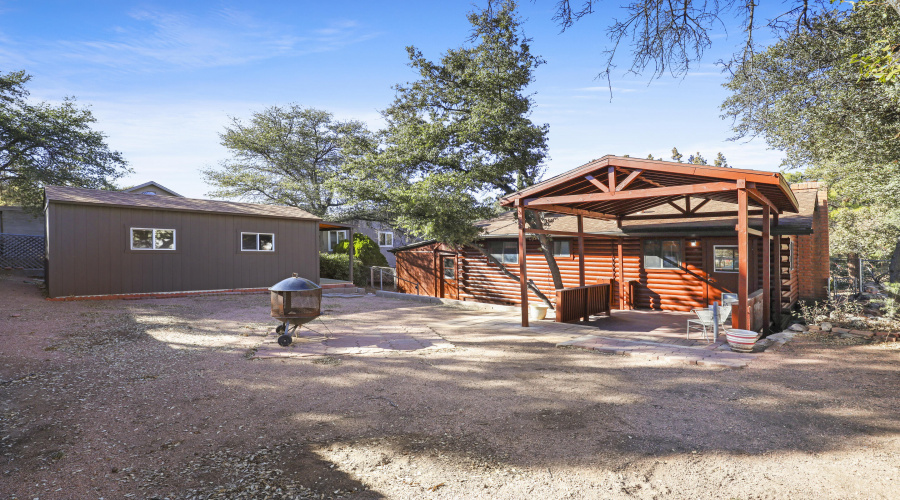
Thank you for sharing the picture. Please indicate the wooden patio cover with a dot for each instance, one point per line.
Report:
(619, 188)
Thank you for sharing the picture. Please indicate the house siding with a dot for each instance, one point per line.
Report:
(88, 251)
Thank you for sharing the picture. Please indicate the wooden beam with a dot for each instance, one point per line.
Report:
(767, 270)
(571, 211)
(778, 282)
(574, 234)
(628, 180)
(597, 183)
(743, 314)
(700, 205)
(683, 211)
(710, 187)
(580, 250)
(687, 204)
(643, 179)
(611, 174)
(523, 269)
(760, 198)
(623, 301)
(701, 215)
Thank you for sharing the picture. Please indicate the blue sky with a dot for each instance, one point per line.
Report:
(162, 78)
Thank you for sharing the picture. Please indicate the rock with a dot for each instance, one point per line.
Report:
(797, 327)
(862, 333)
(813, 328)
(781, 336)
(825, 327)
(839, 330)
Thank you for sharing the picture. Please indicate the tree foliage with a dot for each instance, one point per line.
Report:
(460, 136)
(291, 156)
(44, 144)
(365, 250)
(807, 99)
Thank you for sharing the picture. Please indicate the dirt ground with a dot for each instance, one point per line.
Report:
(161, 399)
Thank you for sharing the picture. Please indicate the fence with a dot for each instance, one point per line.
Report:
(21, 252)
(850, 276)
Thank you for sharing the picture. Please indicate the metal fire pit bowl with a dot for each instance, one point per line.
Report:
(295, 301)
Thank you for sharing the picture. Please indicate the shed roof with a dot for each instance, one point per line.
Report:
(83, 196)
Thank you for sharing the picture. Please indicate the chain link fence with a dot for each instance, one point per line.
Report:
(850, 276)
(21, 252)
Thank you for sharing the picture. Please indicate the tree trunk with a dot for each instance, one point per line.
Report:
(512, 276)
(853, 271)
(895, 264)
(547, 248)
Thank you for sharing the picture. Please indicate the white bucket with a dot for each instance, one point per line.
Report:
(537, 312)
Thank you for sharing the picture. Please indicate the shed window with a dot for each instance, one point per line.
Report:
(257, 242)
(385, 239)
(506, 252)
(662, 254)
(726, 258)
(335, 237)
(152, 239)
(562, 248)
(449, 268)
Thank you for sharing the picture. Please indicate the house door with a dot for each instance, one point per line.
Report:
(449, 279)
(721, 266)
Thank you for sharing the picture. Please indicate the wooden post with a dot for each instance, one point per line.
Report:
(623, 301)
(767, 270)
(523, 271)
(580, 250)
(777, 284)
(351, 254)
(743, 314)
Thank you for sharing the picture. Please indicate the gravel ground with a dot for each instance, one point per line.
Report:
(162, 399)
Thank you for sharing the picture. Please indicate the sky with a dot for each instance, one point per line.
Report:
(164, 79)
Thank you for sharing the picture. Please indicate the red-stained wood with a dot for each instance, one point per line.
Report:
(600, 185)
(699, 206)
(573, 211)
(760, 198)
(523, 271)
(709, 187)
(620, 276)
(628, 180)
(611, 173)
(766, 270)
(579, 303)
(580, 251)
(743, 314)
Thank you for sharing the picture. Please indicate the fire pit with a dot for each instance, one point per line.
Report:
(295, 301)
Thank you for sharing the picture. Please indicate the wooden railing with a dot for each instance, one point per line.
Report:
(573, 304)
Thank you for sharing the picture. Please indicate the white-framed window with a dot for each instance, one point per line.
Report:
(385, 239)
(562, 248)
(662, 254)
(257, 242)
(147, 238)
(506, 252)
(725, 259)
(335, 237)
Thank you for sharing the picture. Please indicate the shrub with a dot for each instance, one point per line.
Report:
(365, 251)
(334, 266)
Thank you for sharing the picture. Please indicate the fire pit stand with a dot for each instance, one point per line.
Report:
(295, 301)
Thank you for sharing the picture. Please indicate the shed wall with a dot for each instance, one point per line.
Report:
(89, 252)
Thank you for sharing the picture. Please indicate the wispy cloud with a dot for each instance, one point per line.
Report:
(156, 39)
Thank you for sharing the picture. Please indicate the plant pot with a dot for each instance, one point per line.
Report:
(741, 340)
(537, 312)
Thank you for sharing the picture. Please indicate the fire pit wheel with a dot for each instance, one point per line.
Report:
(285, 340)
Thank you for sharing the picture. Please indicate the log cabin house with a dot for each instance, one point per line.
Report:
(663, 235)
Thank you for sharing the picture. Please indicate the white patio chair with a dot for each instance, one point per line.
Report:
(704, 320)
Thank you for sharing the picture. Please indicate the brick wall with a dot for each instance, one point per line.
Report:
(812, 250)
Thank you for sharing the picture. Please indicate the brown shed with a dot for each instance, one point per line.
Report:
(108, 243)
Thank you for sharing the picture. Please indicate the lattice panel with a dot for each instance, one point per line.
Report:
(21, 252)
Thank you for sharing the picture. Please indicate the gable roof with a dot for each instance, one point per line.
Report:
(83, 196)
(577, 185)
(138, 189)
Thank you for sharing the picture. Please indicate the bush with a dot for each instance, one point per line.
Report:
(334, 266)
(365, 251)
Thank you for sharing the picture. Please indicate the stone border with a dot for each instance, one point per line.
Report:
(458, 304)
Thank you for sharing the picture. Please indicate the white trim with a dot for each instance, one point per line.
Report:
(328, 233)
(714, 259)
(257, 249)
(153, 231)
(391, 244)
